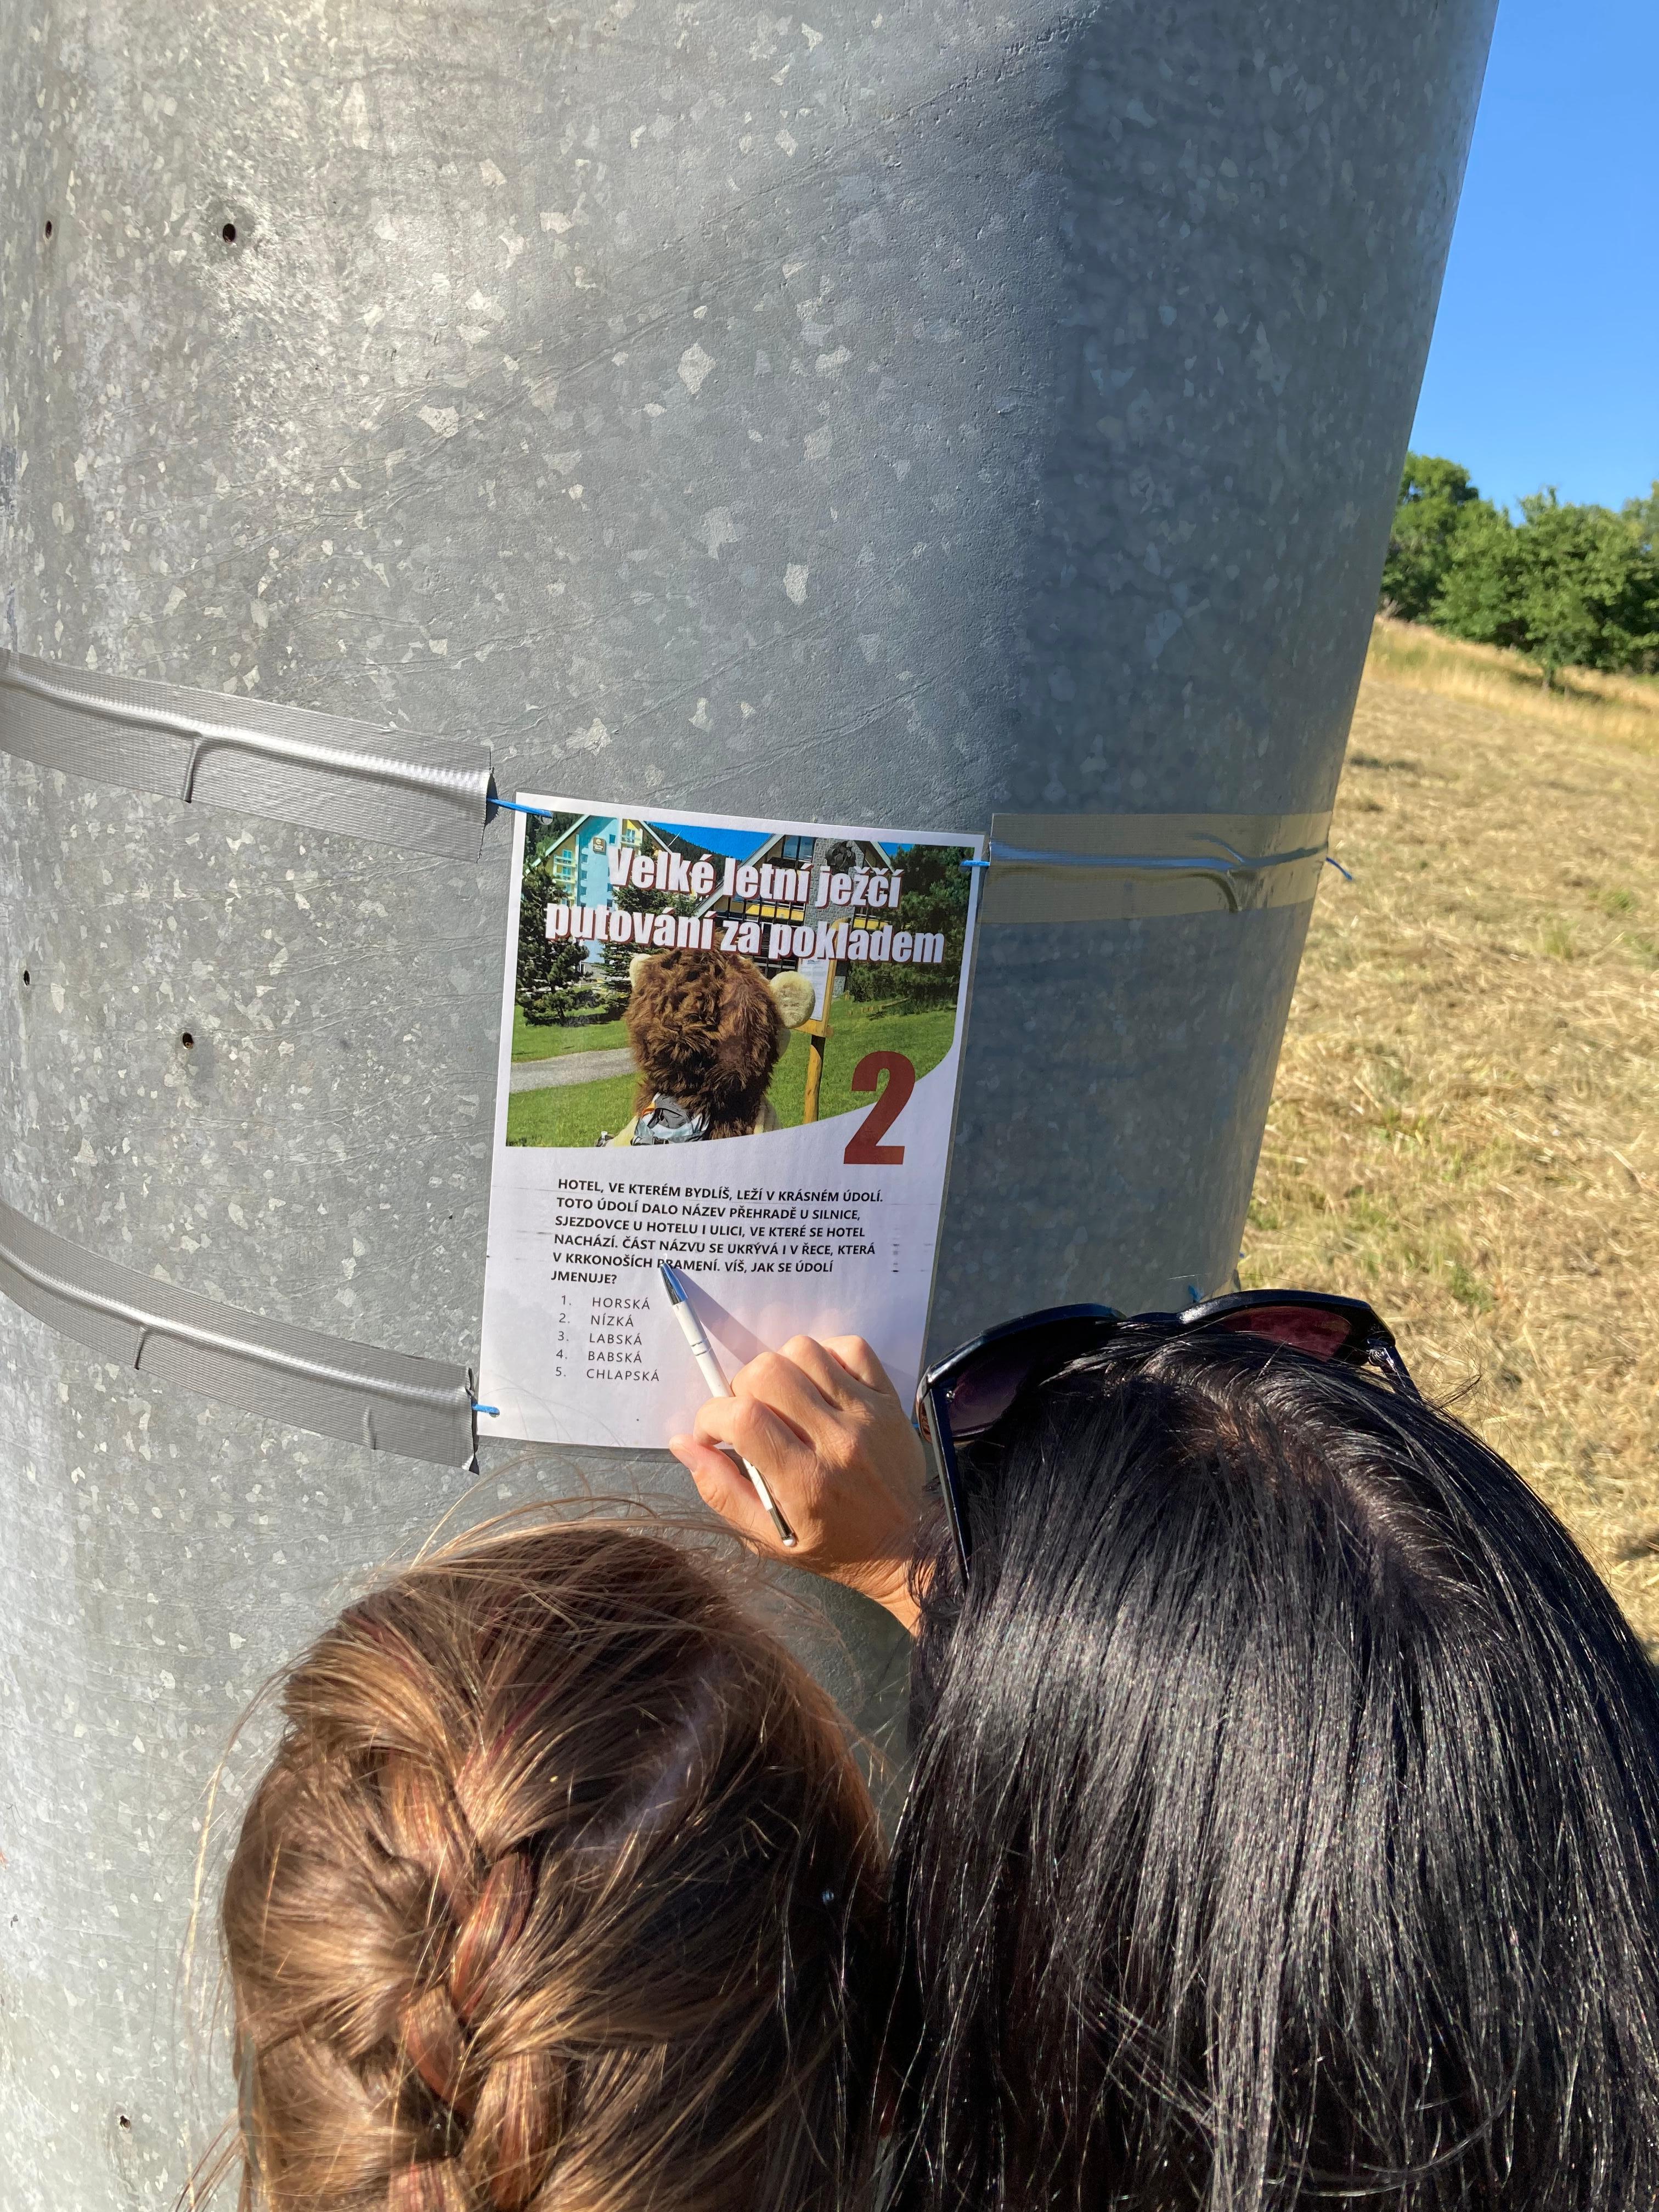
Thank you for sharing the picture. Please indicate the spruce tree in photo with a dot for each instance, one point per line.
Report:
(548, 973)
(548, 970)
(618, 958)
(934, 896)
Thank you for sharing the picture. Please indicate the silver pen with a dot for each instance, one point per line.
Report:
(709, 1368)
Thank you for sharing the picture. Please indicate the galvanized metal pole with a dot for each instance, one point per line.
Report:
(910, 414)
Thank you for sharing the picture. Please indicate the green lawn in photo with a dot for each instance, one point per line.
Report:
(551, 1040)
(574, 1113)
(857, 1026)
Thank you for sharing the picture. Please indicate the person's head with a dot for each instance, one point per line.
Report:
(708, 1030)
(560, 1891)
(1284, 1829)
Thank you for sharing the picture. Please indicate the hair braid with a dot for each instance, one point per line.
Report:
(532, 1903)
(499, 2116)
(432, 2185)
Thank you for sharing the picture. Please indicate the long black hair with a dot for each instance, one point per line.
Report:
(1284, 1827)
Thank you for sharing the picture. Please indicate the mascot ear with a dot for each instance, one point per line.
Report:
(636, 968)
(794, 995)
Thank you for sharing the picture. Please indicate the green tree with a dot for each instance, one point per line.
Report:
(618, 957)
(1590, 592)
(548, 973)
(1479, 596)
(1571, 587)
(1438, 505)
(933, 896)
(1643, 516)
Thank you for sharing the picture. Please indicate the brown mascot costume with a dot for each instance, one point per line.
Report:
(706, 1031)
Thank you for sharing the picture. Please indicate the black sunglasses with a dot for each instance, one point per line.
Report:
(966, 1394)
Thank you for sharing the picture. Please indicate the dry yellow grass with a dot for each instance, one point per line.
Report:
(1466, 1124)
(1623, 709)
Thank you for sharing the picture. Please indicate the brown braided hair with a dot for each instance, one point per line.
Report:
(563, 1892)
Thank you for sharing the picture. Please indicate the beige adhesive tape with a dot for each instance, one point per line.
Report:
(1112, 867)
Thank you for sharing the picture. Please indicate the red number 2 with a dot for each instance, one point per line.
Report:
(864, 1149)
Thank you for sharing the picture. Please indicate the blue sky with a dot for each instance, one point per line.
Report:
(739, 843)
(1545, 365)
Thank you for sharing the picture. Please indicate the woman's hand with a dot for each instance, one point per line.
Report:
(826, 1429)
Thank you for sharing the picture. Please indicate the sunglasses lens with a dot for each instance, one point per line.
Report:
(977, 1397)
(1313, 1329)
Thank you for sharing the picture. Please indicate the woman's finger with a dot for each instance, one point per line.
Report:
(726, 1490)
(861, 1363)
(777, 1381)
(835, 1380)
(765, 1438)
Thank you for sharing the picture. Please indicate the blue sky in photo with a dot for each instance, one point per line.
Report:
(739, 843)
(1545, 365)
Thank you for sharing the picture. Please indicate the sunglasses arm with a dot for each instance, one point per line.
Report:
(1387, 1358)
(941, 1453)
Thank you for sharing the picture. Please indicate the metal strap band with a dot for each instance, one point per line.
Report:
(392, 787)
(389, 1400)
(1109, 867)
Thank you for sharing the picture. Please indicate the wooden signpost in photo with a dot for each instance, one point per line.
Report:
(816, 1033)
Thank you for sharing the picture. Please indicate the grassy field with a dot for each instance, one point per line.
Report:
(1466, 1124)
(548, 1041)
(575, 1114)
(1584, 703)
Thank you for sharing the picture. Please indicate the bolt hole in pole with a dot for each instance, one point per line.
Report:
(26, 979)
(229, 234)
(187, 1040)
(48, 226)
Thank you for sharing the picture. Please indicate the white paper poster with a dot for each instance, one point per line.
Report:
(728, 1044)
